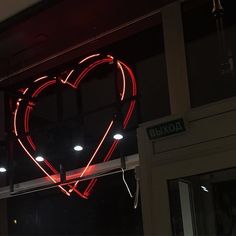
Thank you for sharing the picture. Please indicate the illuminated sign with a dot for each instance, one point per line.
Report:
(166, 129)
(24, 110)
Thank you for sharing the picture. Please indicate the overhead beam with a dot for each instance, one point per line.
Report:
(94, 171)
(61, 58)
(175, 58)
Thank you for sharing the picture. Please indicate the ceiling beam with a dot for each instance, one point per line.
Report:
(94, 171)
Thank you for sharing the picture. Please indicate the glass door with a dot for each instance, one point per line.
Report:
(204, 204)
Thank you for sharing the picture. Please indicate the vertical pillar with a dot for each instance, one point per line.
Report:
(145, 162)
(175, 58)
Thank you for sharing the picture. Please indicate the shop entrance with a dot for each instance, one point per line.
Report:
(187, 179)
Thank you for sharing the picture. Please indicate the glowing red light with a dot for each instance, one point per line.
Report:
(44, 82)
(41, 78)
(90, 187)
(42, 87)
(40, 167)
(93, 156)
(89, 57)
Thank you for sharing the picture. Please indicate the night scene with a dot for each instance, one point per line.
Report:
(117, 118)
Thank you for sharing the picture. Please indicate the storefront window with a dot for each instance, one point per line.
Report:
(210, 53)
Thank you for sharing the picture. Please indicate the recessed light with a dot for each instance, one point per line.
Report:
(118, 136)
(3, 169)
(78, 148)
(204, 188)
(39, 159)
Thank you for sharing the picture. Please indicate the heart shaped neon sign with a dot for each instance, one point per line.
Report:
(24, 109)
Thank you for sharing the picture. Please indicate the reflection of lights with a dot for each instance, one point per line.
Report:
(39, 159)
(118, 136)
(2, 169)
(204, 188)
(78, 148)
(15, 221)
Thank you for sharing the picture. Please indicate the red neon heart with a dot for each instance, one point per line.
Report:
(24, 108)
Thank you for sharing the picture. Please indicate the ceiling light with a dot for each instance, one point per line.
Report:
(39, 159)
(78, 148)
(2, 169)
(118, 136)
(204, 189)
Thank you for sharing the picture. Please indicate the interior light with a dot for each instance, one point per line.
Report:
(2, 169)
(78, 148)
(204, 189)
(39, 159)
(118, 136)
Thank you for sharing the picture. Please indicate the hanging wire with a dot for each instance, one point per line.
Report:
(136, 195)
(137, 187)
(123, 177)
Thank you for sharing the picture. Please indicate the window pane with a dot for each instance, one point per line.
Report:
(210, 56)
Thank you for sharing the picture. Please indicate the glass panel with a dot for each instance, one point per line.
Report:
(210, 55)
(213, 205)
(109, 211)
(144, 52)
(59, 115)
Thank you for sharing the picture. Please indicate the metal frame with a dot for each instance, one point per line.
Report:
(95, 171)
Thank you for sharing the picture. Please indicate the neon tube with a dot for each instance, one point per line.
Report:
(26, 127)
(90, 187)
(25, 91)
(41, 78)
(14, 121)
(56, 172)
(41, 88)
(66, 80)
(50, 166)
(120, 64)
(123, 78)
(89, 57)
(31, 142)
(89, 68)
(107, 157)
(130, 110)
(94, 154)
(74, 85)
(45, 172)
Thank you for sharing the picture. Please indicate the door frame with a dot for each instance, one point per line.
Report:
(208, 145)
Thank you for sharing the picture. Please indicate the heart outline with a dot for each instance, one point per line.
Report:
(52, 81)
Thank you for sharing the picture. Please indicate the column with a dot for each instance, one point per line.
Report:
(175, 58)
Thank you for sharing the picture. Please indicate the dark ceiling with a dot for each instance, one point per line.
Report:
(47, 29)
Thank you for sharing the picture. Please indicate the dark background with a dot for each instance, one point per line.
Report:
(50, 28)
